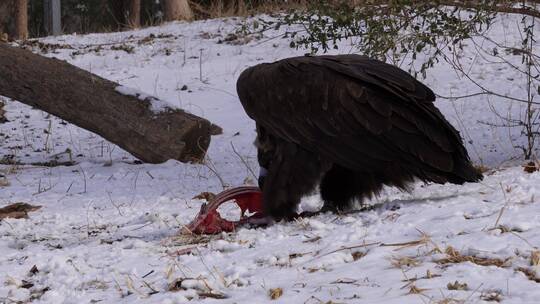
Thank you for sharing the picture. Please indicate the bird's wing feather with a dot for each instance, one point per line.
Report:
(355, 111)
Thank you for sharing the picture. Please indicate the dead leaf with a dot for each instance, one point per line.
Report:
(207, 196)
(33, 270)
(358, 255)
(530, 167)
(457, 286)
(275, 293)
(17, 210)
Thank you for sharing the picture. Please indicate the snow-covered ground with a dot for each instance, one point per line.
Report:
(108, 228)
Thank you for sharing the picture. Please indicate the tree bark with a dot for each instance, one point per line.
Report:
(6, 13)
(177, 10)
(95, 104)
(2, 112)
(21, 22)
(134, 13)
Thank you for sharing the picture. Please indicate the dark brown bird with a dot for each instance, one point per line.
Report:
(349, 124)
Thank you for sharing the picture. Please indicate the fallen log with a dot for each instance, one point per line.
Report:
(140, 124)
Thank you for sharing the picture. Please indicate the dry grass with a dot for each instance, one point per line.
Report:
(482, 169)
(449, 301)
(535, 258)
(424, 240)
(529, 273)
(428, 276)
(275, 293)
(457, 286)
(223, 8)
(203, 291)
(185, 237)
(491, 296)
(453, 257)
(406, 261)
(416, 290)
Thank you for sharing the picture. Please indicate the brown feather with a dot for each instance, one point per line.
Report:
(364, 116)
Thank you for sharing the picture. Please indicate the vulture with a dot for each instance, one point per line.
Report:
(348, 124)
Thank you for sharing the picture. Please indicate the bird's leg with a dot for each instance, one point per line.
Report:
(340, 186)
(338, 189)
(293, 173)
(277, 202)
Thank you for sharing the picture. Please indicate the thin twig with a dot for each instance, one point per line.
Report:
(347, 248)
(502, 209)
(243, 161)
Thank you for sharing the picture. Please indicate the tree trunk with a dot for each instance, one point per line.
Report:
(6, 14)
(177, 10)
(96, 104)
(21, 22)
(134, 13)
(2, 112)
(52, 17)
(241, 9)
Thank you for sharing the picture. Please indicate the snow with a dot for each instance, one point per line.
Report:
(156, 105)
(109, 227)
